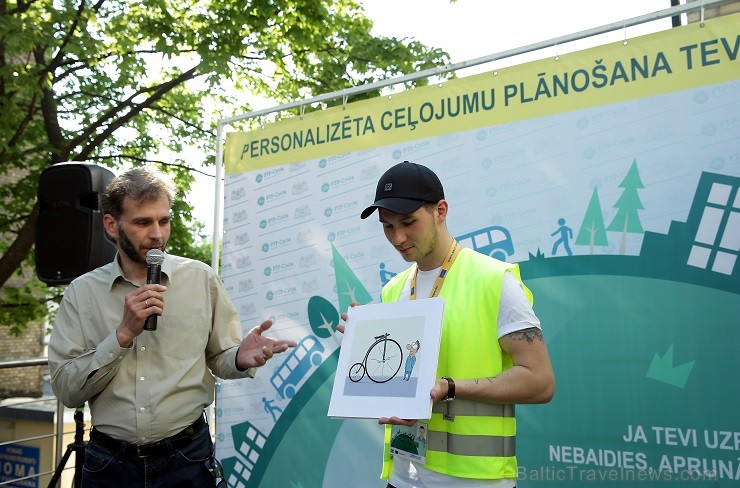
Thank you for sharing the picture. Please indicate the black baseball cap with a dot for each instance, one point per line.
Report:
(404, 188)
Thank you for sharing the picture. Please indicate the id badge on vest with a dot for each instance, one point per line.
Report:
(410, 442)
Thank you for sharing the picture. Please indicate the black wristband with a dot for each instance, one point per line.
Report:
(450, 390)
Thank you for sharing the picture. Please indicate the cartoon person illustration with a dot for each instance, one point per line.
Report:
(269, 408)
(411, 359)
(385, 275)
(566, 234)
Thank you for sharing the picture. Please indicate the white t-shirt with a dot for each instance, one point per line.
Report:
(514, 313)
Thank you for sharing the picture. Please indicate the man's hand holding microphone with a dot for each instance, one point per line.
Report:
(144, 304)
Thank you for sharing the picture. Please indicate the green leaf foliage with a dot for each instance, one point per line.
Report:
(121, 84)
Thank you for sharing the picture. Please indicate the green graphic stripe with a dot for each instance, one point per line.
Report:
(303, 419)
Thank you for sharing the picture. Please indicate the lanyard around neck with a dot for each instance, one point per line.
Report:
(446, 265)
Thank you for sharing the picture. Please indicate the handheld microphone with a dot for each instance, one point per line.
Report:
(154, 259)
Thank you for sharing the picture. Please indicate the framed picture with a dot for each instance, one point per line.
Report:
(388, 360)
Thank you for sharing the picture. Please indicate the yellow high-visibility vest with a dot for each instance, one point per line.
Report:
(468, 439)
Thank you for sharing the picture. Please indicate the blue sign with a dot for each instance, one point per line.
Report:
(18, 462)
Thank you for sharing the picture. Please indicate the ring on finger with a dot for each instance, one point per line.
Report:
(146, 302)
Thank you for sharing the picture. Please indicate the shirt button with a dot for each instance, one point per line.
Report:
(143, 348)
(142, 409)
(142, 439)
(142, 378)
(111, 354)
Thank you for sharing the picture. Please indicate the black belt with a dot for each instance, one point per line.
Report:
(155, 449)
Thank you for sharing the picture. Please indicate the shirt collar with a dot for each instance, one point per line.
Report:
(117, 271)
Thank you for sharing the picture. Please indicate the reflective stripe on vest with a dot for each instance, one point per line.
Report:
(470, 408)
(472, 445)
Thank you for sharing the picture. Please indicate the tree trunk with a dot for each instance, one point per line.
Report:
(623, 242)
(17, 252)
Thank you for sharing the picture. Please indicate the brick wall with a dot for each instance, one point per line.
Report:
(709, 12)
(26, 381)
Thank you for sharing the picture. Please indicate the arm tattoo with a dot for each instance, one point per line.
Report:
(530, 335)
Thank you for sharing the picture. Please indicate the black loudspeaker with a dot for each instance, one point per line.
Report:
(70, 236)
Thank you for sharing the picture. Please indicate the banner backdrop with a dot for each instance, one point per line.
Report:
(610, 175)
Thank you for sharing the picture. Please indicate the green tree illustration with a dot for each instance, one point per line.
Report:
(592, 232)
(626, 220)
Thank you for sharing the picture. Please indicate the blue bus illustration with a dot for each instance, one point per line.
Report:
(298, 363)
(492, 241)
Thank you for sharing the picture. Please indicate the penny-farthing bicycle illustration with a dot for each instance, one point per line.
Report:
(381, 363)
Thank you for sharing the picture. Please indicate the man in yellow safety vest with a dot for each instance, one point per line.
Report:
(492, 354)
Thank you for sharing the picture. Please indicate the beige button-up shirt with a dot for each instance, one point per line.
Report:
(160, 385)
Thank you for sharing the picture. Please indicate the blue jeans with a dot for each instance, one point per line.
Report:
(181, 468)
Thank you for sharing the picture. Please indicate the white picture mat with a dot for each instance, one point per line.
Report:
(406, 322)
